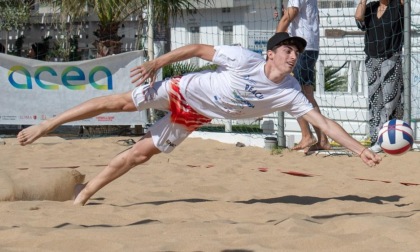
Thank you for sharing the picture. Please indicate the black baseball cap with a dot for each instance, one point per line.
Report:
(284, 38)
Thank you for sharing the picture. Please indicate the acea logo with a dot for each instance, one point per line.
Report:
(71, 77)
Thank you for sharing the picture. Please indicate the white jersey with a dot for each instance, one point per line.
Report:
(306, 24)
(240, 89)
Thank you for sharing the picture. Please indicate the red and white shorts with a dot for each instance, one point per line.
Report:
(173, 128)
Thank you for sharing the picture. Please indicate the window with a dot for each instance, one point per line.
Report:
(192, 12)
(227, 35)
(194, 39)
(225, 10)
(194, 34)
(336, 4)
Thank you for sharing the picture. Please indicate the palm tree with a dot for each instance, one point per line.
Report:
(111, 14)
(181, 68)
(333, 80)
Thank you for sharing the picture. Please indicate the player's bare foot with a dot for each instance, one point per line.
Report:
(32, 133)
(305, 143)
(77, 189)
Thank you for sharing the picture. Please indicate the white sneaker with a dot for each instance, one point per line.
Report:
(416, 147)
(376, 148)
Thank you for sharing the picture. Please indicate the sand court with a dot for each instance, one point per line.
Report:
(207, 196)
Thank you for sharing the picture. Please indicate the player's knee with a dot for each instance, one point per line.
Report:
(125, 102)
(139, 156)
(117, 102)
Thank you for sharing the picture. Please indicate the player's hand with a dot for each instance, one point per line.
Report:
(140, 74)
(369, 157)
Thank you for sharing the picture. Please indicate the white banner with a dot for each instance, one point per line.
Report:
(32, 90)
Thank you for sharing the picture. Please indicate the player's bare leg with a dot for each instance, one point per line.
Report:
(140, 152)
(88, 109)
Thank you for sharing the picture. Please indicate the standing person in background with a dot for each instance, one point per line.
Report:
(38, 51)
(301, 18)
(383, 22)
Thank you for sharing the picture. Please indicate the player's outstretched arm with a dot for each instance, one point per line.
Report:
(148, 70)
(337, 133)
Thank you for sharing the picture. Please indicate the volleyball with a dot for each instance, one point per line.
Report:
(395, 137)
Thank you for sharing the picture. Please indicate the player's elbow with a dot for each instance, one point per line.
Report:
(205, 52)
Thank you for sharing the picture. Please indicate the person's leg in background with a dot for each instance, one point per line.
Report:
(386, 87)
(304, 72)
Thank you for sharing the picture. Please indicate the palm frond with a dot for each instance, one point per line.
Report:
(333, 80)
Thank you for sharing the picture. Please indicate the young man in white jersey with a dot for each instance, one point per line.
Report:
(245, 85)
(301, 18)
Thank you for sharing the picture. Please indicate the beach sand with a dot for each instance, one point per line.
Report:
(206, 196)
